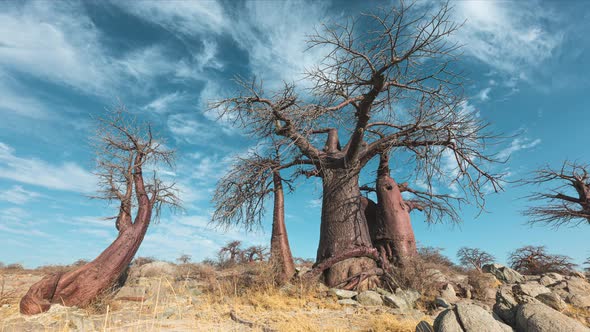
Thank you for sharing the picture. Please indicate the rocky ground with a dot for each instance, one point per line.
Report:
(156, 297)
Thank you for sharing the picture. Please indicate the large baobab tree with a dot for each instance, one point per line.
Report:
(386, 85)
(559, 206)
(124, 149)
(240, 199)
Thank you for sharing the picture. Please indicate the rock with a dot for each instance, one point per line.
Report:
(369, 298)
(579, 301)
(578, 286)
(577, 274)
(533, 317)
(402, 299)
(435, 275)
(505, 306)
(131, 293)
(448, 293)
(424, 326)
(441, 302)
(553, 300)
(472, 318)
(158, 269)
(550, 278)
(348, 302)
(532, 289)
(342, 293)
(503, 273)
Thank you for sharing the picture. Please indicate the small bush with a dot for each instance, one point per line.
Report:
(481, 283)
(15, 267)
(139, 261)
(474, 258)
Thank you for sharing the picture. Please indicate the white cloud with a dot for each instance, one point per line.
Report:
(516, 145)
(65, 176)
(511, 36)
(484, 94)
(315, 203)
(187, 17)
(18, 195)
(163, 103)
(187, 128)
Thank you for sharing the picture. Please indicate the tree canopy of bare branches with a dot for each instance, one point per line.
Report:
(534, 260)
(567, 200)
(474, 257)
(385, 85)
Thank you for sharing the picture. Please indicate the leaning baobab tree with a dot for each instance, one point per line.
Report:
(240, 200)
(559, 206)
(386, 86)
(124, 149)
(536, 260)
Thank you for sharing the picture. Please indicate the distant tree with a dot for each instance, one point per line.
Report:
(209, 261)
(80, 262)
(15, 266)
(558, 206)
(124, 147)
(184, 259)
(231, 253)
(587, 268)
(474, 257)
(534, 260)
(255, 254)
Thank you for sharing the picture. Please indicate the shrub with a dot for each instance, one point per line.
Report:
(139, 261)
(184, 259)
(15, 266)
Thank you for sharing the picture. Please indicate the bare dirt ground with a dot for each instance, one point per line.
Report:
(165, 304)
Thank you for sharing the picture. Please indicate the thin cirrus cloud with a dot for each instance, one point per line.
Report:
(67, 176)
(18, 195)
(509, 36)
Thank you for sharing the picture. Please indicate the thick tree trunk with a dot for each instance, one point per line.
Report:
(343, 226)
(391, 231)
(81, 286)
(280, 251)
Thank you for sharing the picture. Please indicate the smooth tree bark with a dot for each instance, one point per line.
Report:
(240, 199)
(280, 251)
(392, 232)
(121, 157)
(399, 58)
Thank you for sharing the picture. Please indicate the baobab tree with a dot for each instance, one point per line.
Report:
(386, 85)
(558, 206)
(231, 253)
(474, 257)
(254, 254)
(240, 199)
(124, 149)
(536, 260)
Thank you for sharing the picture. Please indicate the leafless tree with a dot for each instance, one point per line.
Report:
(255, 254)
(534, 260)
(386, 84)
(124, 148)
(474, 257)
(558, 207)
(231, 253)
(184, 259)
(241, 195)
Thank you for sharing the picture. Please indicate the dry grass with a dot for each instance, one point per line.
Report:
(580, 314)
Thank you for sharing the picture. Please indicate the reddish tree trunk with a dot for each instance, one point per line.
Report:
(391, 230)
(343, 226)
(280, 251)
(79, 287)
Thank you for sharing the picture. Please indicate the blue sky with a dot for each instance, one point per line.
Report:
(63, 62)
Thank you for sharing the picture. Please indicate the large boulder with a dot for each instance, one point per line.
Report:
(579, 301)
(531, 289)
(342, 293)
(131, 293)
(468, 318)
(553, 300)
(537, 317)
(448, 293)
(503, 273)
(402, 299)
(505, 306)
(369, 298)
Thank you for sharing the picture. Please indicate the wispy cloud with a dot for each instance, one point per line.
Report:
(518, 144)
(18, 195)
(65, 176)
(510, 36)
